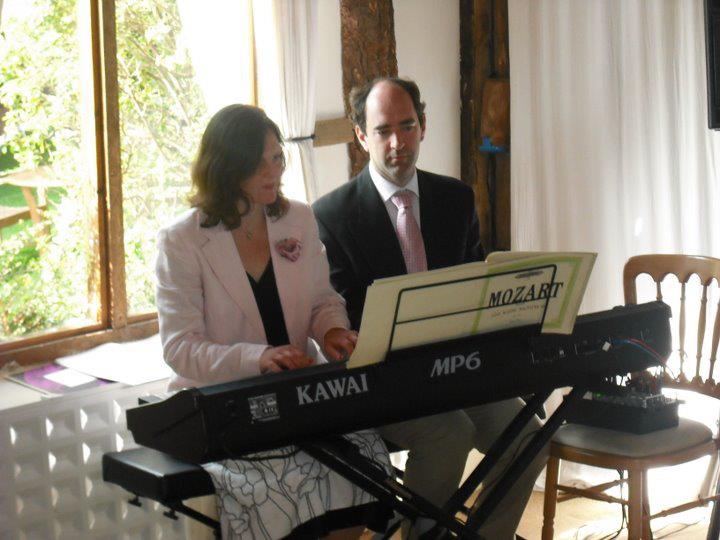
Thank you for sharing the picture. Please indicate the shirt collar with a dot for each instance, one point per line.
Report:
(387, 189)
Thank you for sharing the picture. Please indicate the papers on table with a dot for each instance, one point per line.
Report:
(132, 363)
(70, 378)
(51, 379)
(510, 289)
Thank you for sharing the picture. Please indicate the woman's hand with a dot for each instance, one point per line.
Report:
(339, 343)
(276, 359)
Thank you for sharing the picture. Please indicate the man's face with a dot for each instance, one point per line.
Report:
(393, 132)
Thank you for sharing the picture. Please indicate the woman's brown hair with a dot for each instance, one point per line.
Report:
(231, 150)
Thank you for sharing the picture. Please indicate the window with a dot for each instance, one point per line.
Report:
(48, 266)
(100, 115)
(162, 114)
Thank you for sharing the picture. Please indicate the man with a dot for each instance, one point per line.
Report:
(393, 219)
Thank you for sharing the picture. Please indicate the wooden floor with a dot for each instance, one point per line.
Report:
(582, 519)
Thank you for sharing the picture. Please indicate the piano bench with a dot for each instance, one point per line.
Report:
(148, 473)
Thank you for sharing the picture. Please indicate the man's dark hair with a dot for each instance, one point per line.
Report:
(231, 150)
(359, 94)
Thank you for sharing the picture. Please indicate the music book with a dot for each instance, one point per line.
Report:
(52, 379)
(509, 289)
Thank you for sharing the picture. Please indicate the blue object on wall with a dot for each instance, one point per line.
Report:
(489, 148)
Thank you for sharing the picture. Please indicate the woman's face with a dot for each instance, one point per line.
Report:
(262, 187)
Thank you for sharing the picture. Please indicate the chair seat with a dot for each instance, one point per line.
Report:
(149, 473)
(687, 434)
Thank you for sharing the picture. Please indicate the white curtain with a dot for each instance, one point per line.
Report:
(286, 51)
(610, 146)
(219, 38)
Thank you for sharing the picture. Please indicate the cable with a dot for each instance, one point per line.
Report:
(520, 446)
(641, 346)
(649, 348)
(670, 533)
(623, 519)
(266, 457)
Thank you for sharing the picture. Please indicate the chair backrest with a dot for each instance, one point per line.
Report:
(684, 375)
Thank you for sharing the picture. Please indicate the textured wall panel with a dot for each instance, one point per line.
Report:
(50, 470)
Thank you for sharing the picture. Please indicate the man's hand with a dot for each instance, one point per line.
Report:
(276, 359)
(339, 343)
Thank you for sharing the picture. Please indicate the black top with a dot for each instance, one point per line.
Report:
(268, 302)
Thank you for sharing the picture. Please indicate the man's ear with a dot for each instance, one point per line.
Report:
(361, 137)
(423, 121)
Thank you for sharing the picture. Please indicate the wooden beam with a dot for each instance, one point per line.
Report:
(502, 161)
(368, 52)
(333, 131)
(474, 70)
(484, 77)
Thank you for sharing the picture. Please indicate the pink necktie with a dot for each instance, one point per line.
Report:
(408, 232)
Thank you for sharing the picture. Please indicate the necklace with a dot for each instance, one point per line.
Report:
(248, 232)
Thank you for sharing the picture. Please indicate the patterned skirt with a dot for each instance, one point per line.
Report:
(270, 497)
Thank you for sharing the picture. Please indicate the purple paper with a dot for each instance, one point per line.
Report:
(36, 379)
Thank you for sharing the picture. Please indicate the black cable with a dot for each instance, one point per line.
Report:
(269, 457)
(520, 446)
(301, 139)
(238, 455)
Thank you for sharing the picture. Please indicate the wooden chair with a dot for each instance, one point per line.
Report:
(638, 453)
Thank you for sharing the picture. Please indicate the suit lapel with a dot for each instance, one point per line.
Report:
(431, 222)
(374, 234)
(222, 255)
(286, 271)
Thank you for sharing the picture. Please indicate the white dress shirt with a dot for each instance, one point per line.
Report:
(387, 189)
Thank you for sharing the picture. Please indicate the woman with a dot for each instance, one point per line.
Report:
(242, 284)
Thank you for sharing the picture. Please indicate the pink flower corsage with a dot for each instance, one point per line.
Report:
(289, 248)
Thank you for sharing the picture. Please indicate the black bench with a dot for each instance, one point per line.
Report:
(145, 472)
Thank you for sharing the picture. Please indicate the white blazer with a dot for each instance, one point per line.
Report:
(210, 326)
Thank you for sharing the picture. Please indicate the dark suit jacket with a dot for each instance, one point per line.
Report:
(361, 242)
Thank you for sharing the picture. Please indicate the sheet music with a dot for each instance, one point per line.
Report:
(132, 363)
(508, 290)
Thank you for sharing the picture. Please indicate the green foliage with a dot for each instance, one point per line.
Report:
(50, 272)
(7, 161)
(36, 86)
(32, 299)
(11, 196)
(162, 113)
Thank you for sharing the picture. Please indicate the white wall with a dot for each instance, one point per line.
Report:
(427, 34)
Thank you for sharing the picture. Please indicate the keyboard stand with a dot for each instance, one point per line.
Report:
(343, 457)
(482, 511)
(149, 473)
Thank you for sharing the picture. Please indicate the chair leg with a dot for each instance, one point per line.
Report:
(551, 480)
(711, 475)
(714, 528)
(647, 530)
(635, 506)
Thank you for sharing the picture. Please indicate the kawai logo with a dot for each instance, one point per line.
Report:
(332, 389)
